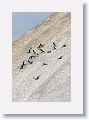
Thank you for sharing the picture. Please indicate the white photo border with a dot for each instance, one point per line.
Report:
(76, 104)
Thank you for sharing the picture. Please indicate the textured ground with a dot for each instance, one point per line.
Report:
(54, 79)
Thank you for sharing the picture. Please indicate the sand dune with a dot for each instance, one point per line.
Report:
(51, 81)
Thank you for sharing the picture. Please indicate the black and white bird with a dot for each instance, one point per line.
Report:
(64, 45)
(29, 50)
(22, 65)
(37, 77)
(30, 61)
(54, 44)
(32, 56)
(60, 57)
(54, 48)
(49, 51)
(37, 54)
(42, 51)
(40, 46)
(44, 64)
(34, 52)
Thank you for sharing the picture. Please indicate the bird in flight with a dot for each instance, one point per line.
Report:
(64, 46)
(44, 64)
(54, 48)
(49, 51)
(34, 52)
(40, 46)
(60, 57)
(32, 56)
(22, 65)
(37, 77)
(30, 62)
(42, 50)
(54, 44)
(29, 50)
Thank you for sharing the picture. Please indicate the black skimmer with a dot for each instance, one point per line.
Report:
(54, 44)
(21, 67)
(64, 46)
(60, 57)
(44, 64)
(34, 52)
(54, 48)
(30, 62)
(37, 77)
(31, 57)
(23, 63)
(42, 50)
(29, 50)
(48, 51)
(40, 46)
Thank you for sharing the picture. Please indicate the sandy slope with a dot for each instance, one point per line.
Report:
(54, 83)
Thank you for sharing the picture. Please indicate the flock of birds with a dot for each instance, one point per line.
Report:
(37, 55)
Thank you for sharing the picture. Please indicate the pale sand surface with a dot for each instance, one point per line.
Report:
(54, 83)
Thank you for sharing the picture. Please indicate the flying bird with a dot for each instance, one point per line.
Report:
(64, 46)
(54, 48)
(34, 52)
(37, 77)
(42, 50)
(23, 63)
(54, 44)
(30, 62)
(21, 67)
(60, 57)
(31, 56)
(29, 50)
(40, 46)
(37, 54)
(48, 51)
(44, 64)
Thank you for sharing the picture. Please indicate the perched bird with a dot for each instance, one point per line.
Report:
(48, 51)
(29, 50)
(64, 46)
(60, 57)
(44, 64)
(30, 62)
(37, 77)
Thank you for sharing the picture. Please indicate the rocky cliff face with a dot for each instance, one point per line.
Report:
(41, 61)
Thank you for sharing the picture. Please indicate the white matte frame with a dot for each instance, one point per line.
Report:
(6, 104)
